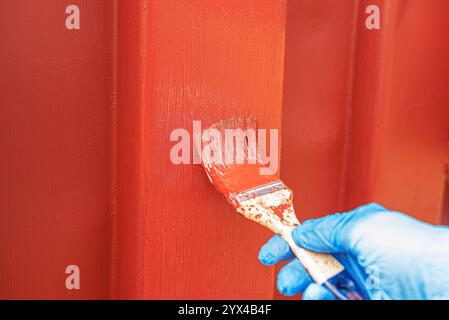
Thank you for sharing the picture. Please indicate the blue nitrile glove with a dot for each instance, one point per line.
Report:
(389, 254)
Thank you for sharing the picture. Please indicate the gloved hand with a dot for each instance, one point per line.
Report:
(388, 254)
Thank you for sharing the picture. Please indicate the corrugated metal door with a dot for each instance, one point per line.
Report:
(86, 116)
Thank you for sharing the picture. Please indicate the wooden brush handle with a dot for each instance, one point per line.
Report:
(320, 266)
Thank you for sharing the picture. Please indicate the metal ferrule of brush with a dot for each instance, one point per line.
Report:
(259, 191)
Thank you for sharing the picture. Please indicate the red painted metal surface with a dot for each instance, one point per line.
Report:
(366, 112)
(405, 101)
(176, 237)
(369, 107)
(55, 142)
(86, 115)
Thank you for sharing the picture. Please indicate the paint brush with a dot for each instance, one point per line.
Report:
(231, 158)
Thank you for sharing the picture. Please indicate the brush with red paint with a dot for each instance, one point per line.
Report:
(228, 151)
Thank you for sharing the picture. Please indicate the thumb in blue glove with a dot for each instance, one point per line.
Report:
(390, 255)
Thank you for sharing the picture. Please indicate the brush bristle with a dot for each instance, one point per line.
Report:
(232, 164)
